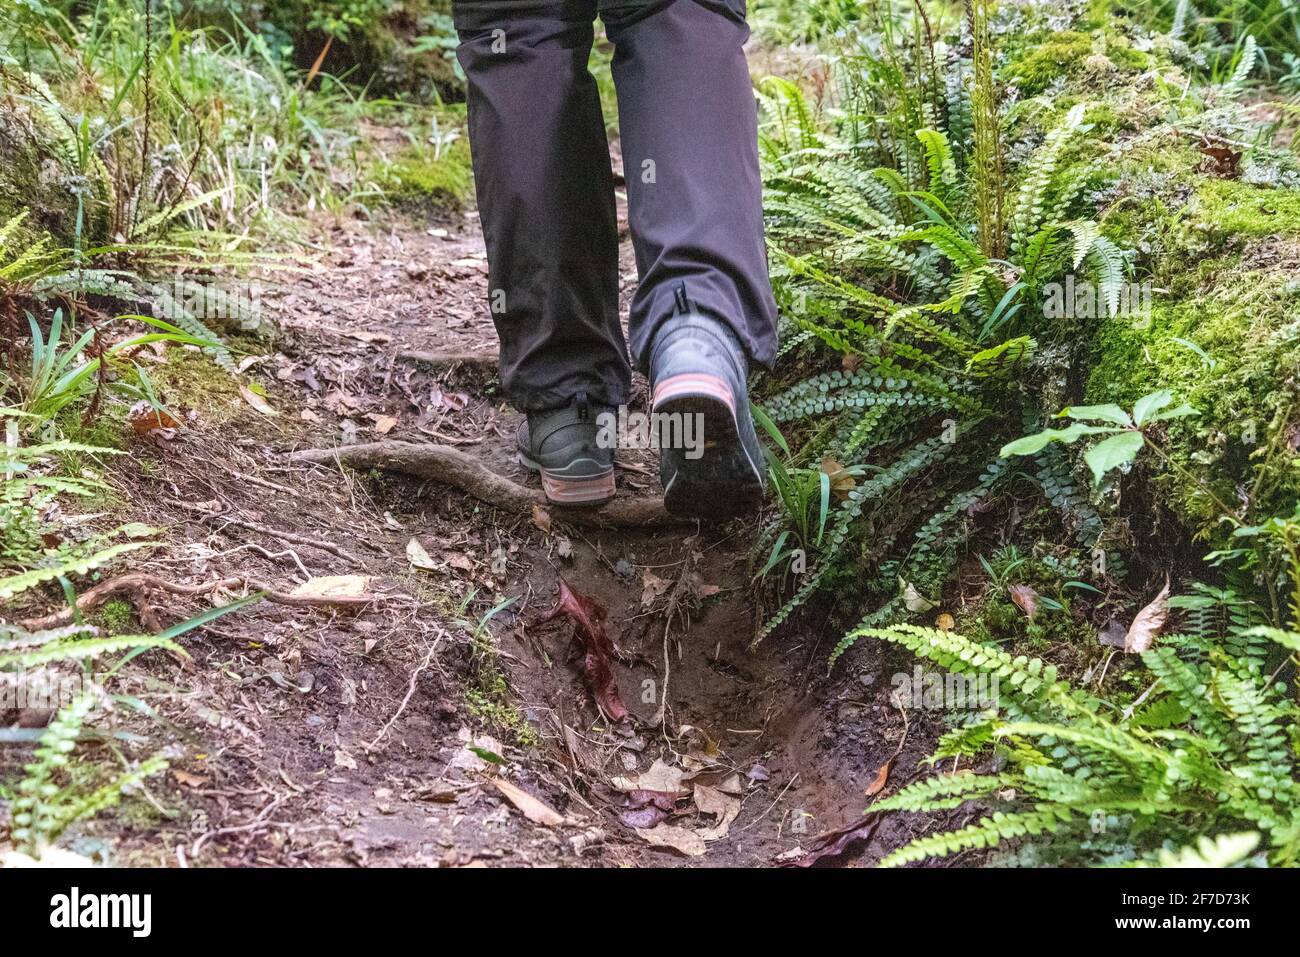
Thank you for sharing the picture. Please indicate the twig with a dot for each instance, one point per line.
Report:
(410, 691)
(274, 532)
(136, 583)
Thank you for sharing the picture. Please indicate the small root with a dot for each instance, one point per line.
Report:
(136, 584)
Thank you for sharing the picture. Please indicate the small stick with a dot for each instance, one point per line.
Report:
(136, 583)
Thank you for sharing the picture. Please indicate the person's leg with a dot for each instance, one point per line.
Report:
(546, 199)
(689, 124)
(704, 309)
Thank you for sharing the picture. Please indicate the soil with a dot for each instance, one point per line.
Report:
(376, 736)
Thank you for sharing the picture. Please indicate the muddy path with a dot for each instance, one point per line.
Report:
(329, 736)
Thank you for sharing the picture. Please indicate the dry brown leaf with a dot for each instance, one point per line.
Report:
(144, 418)
(333, 586)
(661, 777)
(842, 482)
(186, 779)
(542, 518)
(532, 808)
(419, 556)
(676, 838)
(653, 587)
(1026, 599)
(1148, 623)
(881, 779)
(721, 805)
(256, 401)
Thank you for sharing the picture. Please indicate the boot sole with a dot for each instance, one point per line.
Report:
(722, 483)
(569, 491)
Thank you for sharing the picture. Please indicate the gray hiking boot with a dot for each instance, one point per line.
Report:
(698, 369)
(560, 445)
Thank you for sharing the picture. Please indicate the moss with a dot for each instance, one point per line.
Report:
(1230, 208)
(190, 379)
(1038, 60)
(1233, 352)
(118, 616)
(422, 177)
(488, 697)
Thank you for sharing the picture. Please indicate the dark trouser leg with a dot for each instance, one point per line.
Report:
(546, 199)
(689, 123)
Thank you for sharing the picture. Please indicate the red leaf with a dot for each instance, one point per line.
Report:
(589, 617)
(834, 844)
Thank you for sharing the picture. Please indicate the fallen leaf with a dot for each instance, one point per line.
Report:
(1112, 633)
(144, 418)
(645, 809)
(716, 802)
(418, 556)
(652, 587)
(50, 857)
(597, 669)
(831, 845)
(914, 600)
(542, 518)
(881, 779)
(186, 779)
(1026, 599)
(675, 838)
(477, 753)
(1148, 623)
(842, 482)
(662, 778)
(363, 336)
(532, 808)
(333, 586)
(256, 401)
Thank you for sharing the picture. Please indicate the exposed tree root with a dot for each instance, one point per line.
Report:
(451, 466)
(478, 361)
(137, 585)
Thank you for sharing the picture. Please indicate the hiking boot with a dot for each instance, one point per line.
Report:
(560, 445)
(698, 368)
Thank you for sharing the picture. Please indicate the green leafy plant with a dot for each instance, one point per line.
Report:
(50, 796)
(1124, 437)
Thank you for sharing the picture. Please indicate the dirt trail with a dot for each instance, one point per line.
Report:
(313, 736)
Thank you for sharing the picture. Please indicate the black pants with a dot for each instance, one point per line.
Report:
(688, 121)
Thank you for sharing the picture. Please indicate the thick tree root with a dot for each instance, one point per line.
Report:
(451, 466)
